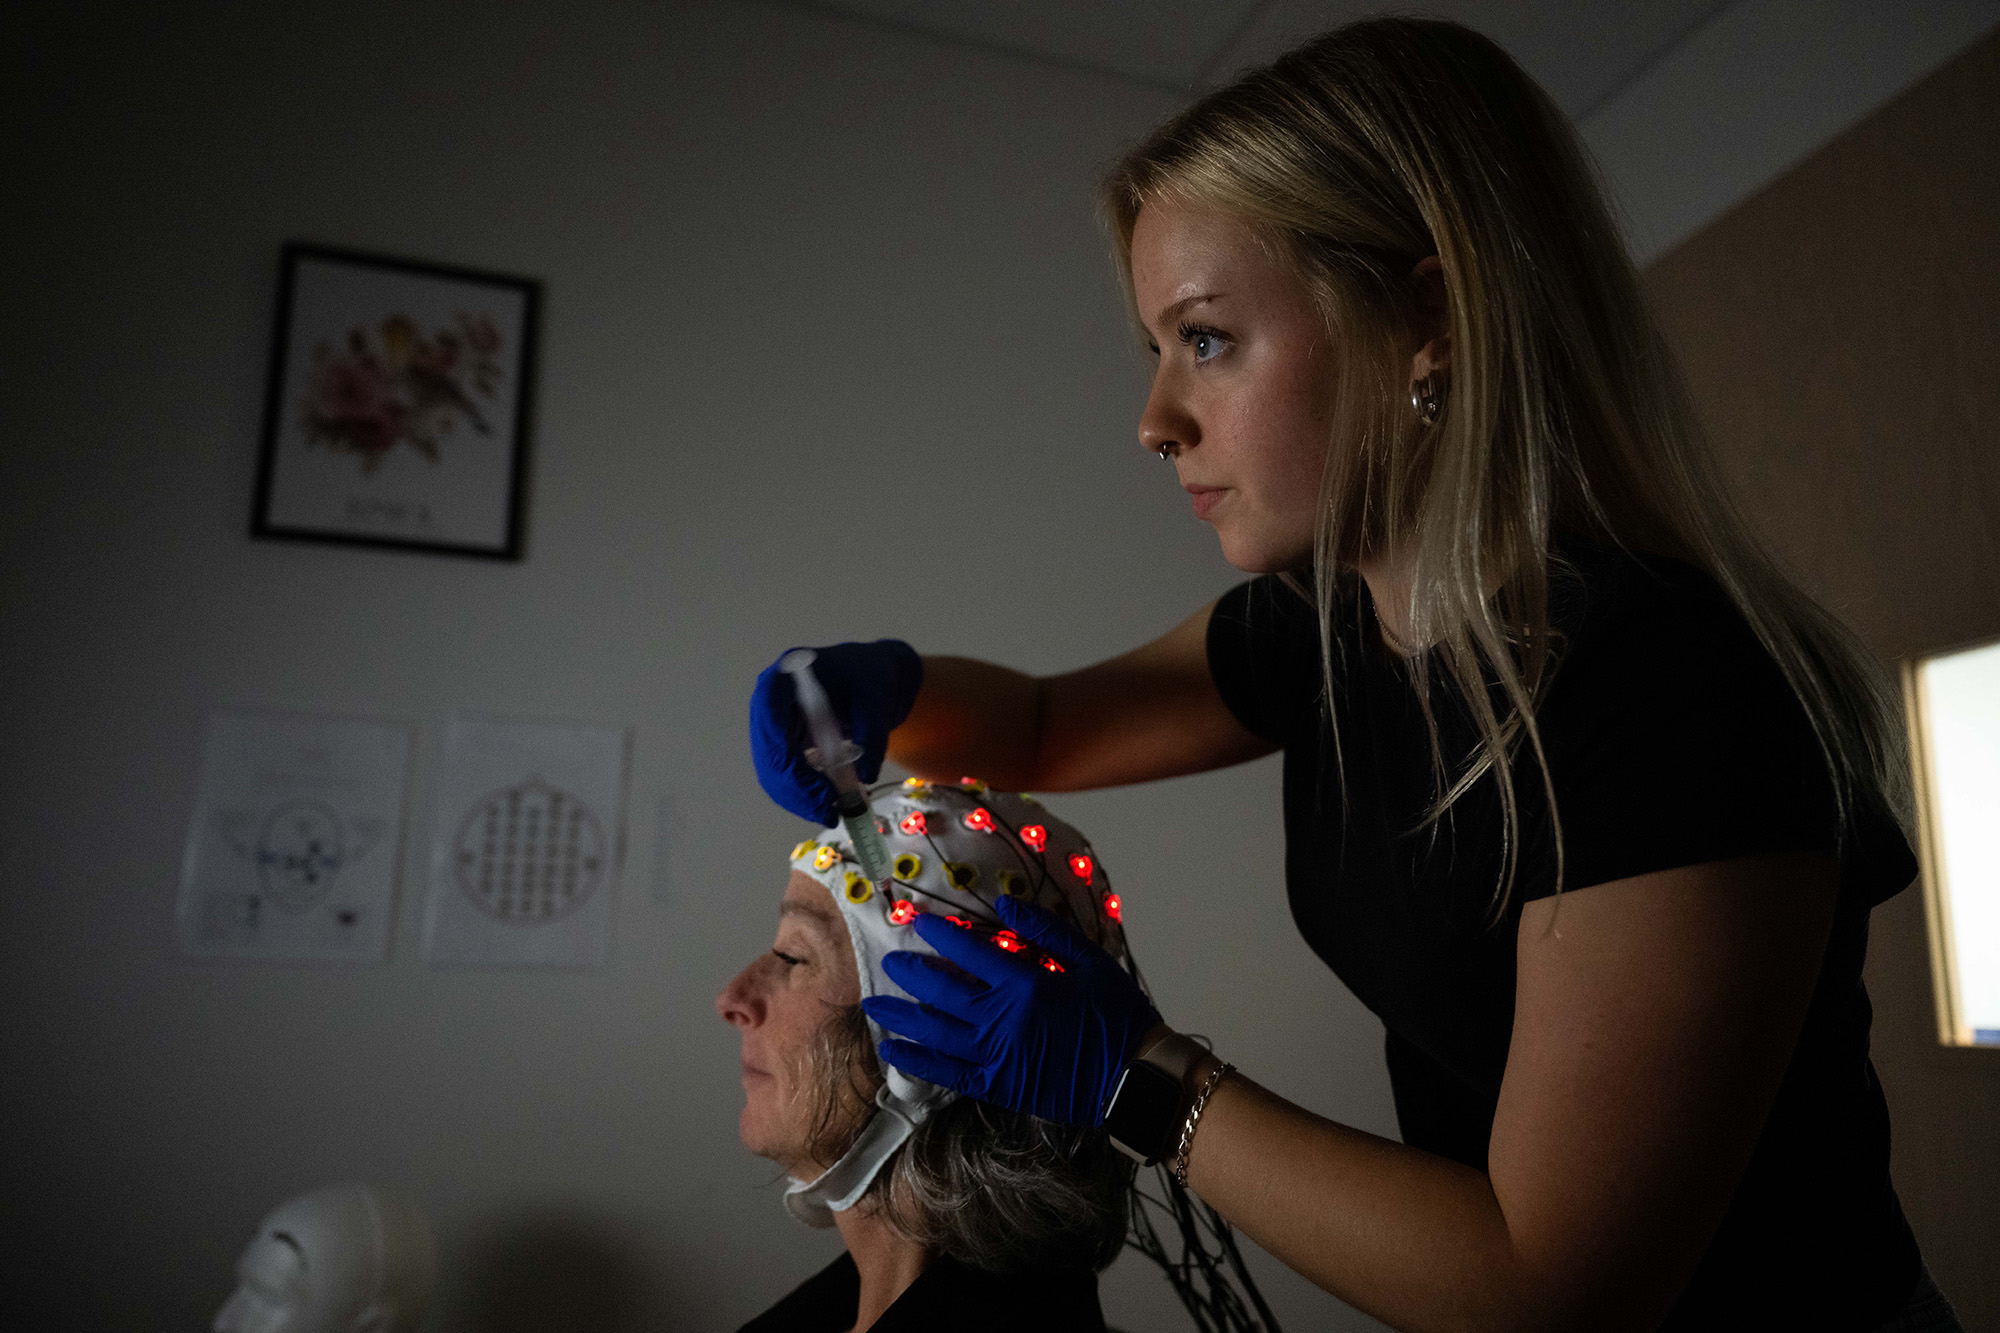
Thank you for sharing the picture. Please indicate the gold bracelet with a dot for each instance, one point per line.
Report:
(1208, 1085)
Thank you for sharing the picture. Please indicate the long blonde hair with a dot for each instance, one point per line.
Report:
(1358, 155)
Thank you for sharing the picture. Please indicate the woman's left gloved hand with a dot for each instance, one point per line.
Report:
(872, 687)
(1027, 1039)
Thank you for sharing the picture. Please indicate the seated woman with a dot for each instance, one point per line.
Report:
(951, 1210)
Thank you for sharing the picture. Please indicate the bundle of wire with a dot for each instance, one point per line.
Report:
(1208, 1271)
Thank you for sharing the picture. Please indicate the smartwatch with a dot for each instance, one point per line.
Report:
(1144, 1114)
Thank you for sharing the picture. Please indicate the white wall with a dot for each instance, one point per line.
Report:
(1753, 92)
(816, 296)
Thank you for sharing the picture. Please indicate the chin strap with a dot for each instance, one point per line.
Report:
(840, 1186)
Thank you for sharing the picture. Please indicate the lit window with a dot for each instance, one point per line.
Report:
(1954, 701)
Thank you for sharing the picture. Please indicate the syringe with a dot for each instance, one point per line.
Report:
(834, 755)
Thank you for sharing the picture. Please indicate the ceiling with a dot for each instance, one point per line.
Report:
(1687, 106)
(1582, 51)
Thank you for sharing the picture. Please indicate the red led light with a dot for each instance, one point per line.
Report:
(903, 913)
(913, 823)
(1113, 908)
(979, 819)
(973, 785)
(1081, 865)
(1052, 965)
(1035, 836)
(1008, 941)
(960, 922)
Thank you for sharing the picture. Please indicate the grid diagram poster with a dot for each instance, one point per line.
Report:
(291, 853)
(526, 840)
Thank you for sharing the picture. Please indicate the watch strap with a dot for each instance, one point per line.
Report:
(1175, 1055)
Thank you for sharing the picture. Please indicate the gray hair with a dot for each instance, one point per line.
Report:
(1000, 1190)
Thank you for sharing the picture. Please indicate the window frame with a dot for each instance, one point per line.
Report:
(1953, 1029)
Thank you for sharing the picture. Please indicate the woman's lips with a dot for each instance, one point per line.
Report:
(1206, 498)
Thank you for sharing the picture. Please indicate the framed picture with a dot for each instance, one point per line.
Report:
(397, 413)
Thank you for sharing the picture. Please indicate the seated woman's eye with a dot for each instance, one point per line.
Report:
(787, 959)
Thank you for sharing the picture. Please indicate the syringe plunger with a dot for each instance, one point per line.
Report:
(834, 755)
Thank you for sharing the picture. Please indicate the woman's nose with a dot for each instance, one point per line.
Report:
(1165, 428)
(738, 1003)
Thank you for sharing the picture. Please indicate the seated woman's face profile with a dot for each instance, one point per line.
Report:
(980, 1209)
(782, 1005)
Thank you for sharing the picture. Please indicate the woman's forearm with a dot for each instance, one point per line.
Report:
(1144, 715)
(1651, 1033)
(1418, 1241)
(973, 718)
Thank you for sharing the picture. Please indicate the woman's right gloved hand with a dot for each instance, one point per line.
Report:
(1008, 1030)
(871, 687)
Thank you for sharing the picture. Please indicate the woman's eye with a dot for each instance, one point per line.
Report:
(787, 959)
(1206, 344)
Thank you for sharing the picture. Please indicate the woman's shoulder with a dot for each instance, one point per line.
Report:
(1602, 589)
(947, 1294)
(1648, 634)
(1272, 604)
(823, 1303)
(1657, 627)
(1674, 737)
(1264, 653)
(956, 1295)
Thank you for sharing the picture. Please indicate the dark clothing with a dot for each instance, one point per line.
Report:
(946, 1295)
(1928, 1310)
(1672, 740)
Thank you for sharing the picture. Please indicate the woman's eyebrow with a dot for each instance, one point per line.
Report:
(812, 912)
(1174, 311)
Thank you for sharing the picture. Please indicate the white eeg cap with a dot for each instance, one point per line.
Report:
(955, 847)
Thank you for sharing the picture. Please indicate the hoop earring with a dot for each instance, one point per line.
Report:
(1428, 399)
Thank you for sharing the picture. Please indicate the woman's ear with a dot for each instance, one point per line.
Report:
(1433, 320)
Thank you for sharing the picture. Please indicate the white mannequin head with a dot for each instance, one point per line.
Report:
(344, 1259)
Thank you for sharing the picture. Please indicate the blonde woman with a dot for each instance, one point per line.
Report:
(1583, 799)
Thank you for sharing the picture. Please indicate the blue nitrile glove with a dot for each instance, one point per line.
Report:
(871, 687)
(1049, 1043)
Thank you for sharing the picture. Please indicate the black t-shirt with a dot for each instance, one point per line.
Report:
(946, 1295)
(1672, 740)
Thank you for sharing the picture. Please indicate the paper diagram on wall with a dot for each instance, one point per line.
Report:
(291, 853)
(525, 842)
